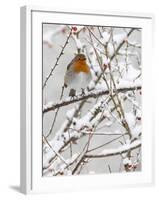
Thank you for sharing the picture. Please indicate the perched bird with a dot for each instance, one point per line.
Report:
(78, 74)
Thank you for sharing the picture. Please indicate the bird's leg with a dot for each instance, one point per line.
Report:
(72, 93)
(83, 91)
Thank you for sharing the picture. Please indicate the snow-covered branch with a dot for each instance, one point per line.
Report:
(80, 97)
(102, 120)
(116, 151)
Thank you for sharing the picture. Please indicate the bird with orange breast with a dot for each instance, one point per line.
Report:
(78, 74)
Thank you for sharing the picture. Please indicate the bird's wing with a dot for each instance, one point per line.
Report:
(69, 65)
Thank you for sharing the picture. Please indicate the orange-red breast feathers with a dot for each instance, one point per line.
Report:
(79, 64)
(78, 73)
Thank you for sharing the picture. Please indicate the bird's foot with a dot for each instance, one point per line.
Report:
(83, 91)
(72, 93)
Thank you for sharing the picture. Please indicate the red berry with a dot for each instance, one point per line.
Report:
(74, 28)
(129, 166)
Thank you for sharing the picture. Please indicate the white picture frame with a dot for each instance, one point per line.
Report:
(31, 121)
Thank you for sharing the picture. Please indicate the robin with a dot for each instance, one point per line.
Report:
(78, 74)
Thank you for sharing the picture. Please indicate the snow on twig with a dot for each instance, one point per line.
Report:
(59, 168)
(112, 94)
(92, 94)
(116, 151)
(63, 138)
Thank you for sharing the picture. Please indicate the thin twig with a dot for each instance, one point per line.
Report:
(57, 60)
(116, 151)
(110, 171)
(121, 44)
(61, 158)
(102, 145)
(55, 117)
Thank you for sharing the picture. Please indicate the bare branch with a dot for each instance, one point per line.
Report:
(121, 44)
(57, 60)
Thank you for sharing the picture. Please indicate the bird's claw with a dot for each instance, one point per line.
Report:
(72, 93)
(83, 92)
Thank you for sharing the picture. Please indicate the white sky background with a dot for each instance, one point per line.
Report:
(51, 49)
